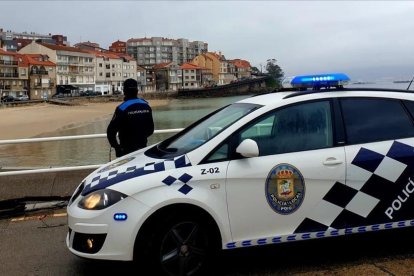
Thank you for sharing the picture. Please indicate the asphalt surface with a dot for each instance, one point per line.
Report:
(34, 244)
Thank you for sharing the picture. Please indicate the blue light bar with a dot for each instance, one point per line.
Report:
(320, 80)
(120, 216)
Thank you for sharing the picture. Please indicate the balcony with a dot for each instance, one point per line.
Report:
(5, 87)
(9, 75)
(44, 85)
(88, 73)
(38, 72)
(8, 62)
(73, 62)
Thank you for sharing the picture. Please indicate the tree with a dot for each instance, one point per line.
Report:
(255, 71)
(274, 71)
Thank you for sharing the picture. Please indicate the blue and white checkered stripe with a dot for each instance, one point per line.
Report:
(355, 203)
(123, 173)
(320, 234)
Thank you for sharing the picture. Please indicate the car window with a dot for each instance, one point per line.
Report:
(202, 131)
(369, 120)
(410, 107)
(300, 127)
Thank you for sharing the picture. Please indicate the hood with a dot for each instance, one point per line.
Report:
(128, 167)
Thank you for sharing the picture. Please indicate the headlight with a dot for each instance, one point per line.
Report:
(101, 199)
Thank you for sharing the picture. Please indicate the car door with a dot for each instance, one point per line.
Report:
(380, 163)
(281, 191)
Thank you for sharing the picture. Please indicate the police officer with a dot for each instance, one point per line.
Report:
(132, 121)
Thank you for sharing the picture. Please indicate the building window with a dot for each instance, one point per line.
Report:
(100, 64)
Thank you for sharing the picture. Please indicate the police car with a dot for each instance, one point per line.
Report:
(269, 169)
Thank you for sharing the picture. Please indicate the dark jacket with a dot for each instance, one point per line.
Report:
(133, 122)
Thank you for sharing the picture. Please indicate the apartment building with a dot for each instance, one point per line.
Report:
(241, 69)
(218, 65)
(129, 66)
(223, 71)
(157, 50)
(13, 74)
(13, 41)
(75, 68)
(193, 76)
(118, 47)
(108, 77)
(87, 45)
(42, 76)
(141, 78)
(112, 70)
(167, 76)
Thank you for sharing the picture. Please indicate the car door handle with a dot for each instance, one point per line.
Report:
(332, 161)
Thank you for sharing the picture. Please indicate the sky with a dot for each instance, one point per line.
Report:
(368, 40)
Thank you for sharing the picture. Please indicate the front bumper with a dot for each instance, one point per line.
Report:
(97, 235)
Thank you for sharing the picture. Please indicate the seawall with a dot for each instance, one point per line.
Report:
(40, 185)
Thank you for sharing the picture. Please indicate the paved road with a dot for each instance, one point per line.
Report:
(35, 245)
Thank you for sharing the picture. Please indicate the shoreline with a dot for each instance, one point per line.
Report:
(37, 120)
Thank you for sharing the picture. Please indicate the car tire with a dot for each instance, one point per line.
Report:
(181, 245)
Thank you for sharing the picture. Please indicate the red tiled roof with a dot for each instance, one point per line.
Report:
(161, 65)
(118, 42)
(190, 66)
(33, 59)
(216, 55)
(102, 54)
(6, 53)
(62, 48)
(22, 60)
(240, 63)
(125, 56)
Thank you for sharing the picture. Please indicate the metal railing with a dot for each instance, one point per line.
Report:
(8, 62)
(63, 138)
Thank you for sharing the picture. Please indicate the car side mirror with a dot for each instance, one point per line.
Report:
(248, 148)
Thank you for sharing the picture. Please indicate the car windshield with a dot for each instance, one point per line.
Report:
(201, 131)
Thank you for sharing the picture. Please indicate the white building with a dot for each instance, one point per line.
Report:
(75, 68)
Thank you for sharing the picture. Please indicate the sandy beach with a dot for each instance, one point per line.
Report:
(30, 121)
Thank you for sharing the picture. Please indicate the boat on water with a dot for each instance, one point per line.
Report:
(401, 81)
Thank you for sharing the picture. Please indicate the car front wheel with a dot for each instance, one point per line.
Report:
(181, 246)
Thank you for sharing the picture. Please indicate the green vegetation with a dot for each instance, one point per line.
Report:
(275, 72)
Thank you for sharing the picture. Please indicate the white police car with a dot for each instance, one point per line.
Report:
(274, 168)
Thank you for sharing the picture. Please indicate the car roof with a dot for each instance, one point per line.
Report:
(277, 97)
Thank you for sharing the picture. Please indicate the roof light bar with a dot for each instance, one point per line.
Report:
(321, 80)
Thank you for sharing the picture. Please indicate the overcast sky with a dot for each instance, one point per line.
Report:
(368, 40)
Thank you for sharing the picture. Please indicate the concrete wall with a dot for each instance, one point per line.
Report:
(57, 184)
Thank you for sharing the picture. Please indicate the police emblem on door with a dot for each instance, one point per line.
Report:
(285, 189)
